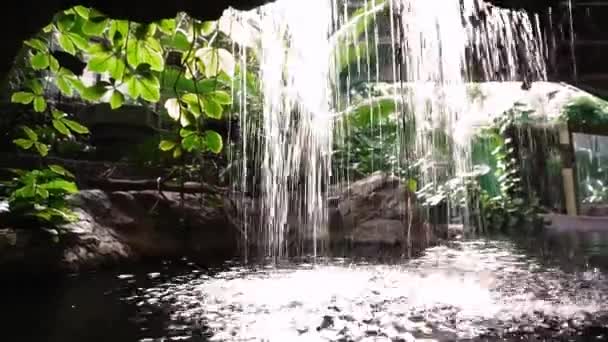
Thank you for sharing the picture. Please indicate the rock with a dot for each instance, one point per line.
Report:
(389, 232)
(374, 211)
(123, 226)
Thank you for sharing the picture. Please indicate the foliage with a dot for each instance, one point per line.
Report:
(130, 61)
(589, 112)
(510, 207)
(352, 43)
(41, 194)
(370, 143)
(507, 206)
(586, 111)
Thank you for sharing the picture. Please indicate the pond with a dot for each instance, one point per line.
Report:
(550, 288)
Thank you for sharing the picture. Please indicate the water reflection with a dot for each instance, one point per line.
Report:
(474, 289)
(551, 287)
(574, 250)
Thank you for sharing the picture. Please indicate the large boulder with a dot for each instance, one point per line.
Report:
(123, 226)
(368, 217)
(379, 211)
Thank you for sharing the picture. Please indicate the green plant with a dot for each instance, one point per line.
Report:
(504, 202)
(41, 194)
(586, 111)
(130, 63)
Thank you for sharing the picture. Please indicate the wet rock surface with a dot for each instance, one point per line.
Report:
(471, 291)
(123, 226)
(373, 212)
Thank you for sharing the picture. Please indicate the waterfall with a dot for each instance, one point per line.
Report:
(313, 58)
(294, 127)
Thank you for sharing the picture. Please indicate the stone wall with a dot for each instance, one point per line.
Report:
(120, 227)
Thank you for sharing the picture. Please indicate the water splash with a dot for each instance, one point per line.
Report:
(433, 58)
(292, 134)
(465, 291)
(420, 58)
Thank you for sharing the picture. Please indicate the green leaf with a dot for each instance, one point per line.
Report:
(119, 29)
(30, 133)
(48, 28)
(212, 109)
(192, 142)
(184, 132)
(144, 31)
(62, 185)
(102, 62)
(148, 51)
(39, 104)
(60, 170)
(63, 86)
(65, 22)
(22, 97)
(48, 214)
(173, 79)
(95, 26)
(221, 97)
(216, 60)
(39, 61)
(36, 87)
(106, 62)
(179, 41)
(167, 26)
(167, 145)
(209, 59)
(117, 99)
(76, 127)
(149, 88)
(412, 185)
(177, 152)
(94, 93)
(54, 63)
(60, 127)
(190, 98)
(24, 143)
(79, 41)
(208, 27)
(37, 44)
(76, 84)
(27, 191)
(42, 192)
(66, 81)
(132, 86)
(194, 104)
(119, 69)
(66, 44)
(58, 114)
(82, 11)
(43, 149)
(213, 141)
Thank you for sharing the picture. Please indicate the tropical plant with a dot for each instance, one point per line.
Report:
(41, 194)
(586, 111)
(132, 63)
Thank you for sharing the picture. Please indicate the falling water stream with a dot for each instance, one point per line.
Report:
(422, 58)
(312, 55)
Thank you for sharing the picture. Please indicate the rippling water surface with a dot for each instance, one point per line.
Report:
(474, 290)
